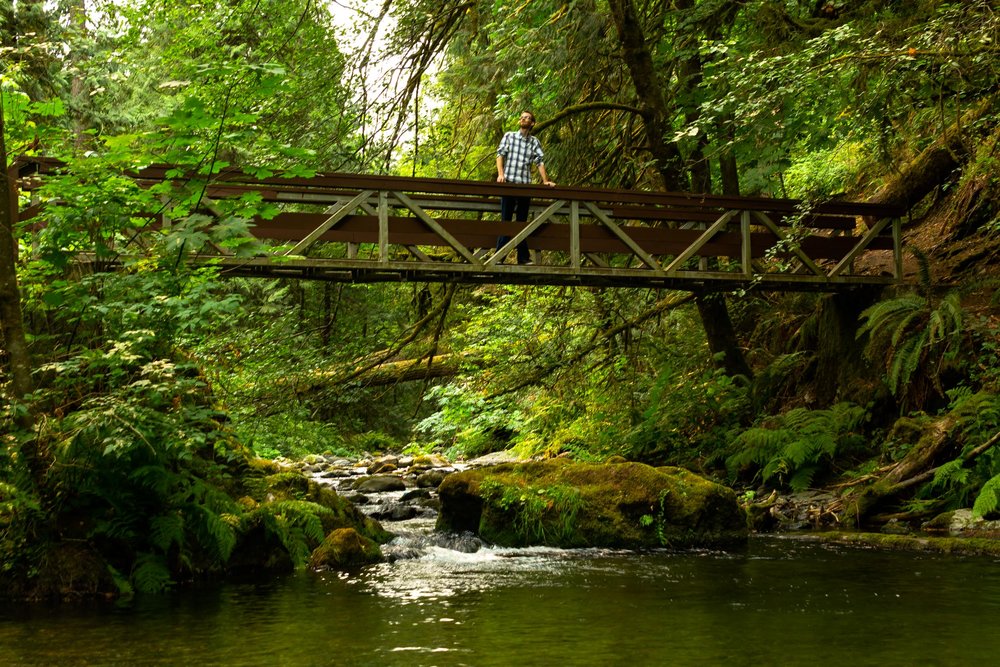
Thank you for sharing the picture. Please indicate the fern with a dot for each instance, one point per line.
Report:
(916, 338)
(989, 497)
(799, 444)
(295, 524)
(802, 479)
(151, 574)
(214, 534)
(166, 530)
(950, 474)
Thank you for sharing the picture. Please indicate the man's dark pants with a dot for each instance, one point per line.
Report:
(509, 208)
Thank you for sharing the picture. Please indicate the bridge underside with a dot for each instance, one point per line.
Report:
(440, 272)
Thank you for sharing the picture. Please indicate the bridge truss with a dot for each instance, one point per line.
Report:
(356, 228)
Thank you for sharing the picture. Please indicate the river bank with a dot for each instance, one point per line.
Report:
(402, 491)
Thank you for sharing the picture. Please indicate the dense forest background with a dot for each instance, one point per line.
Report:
(124, 386)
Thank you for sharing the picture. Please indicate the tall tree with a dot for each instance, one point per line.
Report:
(11, 321)
(677, 173)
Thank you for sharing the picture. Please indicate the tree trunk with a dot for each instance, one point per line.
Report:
(839, 361)
(721, 335)
(915, 468)
(12, 335)
(650, 93)
(388, 373)
(11, 321)
(649, 90)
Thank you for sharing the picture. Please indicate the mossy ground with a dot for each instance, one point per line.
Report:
(965, 546)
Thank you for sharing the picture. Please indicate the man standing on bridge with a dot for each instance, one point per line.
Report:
(515, 155)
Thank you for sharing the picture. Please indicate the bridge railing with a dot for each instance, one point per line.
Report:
(357, 227)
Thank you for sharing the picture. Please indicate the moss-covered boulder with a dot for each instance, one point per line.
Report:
(345, 548)
(285, 518)
(566, 504)
(335, 511)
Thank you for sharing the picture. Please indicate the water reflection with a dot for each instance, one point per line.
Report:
(780, 602)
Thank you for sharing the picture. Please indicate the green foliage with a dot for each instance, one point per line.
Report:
(468, 424)
(689, 414)
(540, 515)
(795, 448)
(659, 520)
(291, 434)
(825, 173)
(988, 499)
(918, 339)
(985, 365)
(295, 524)
(956, 482)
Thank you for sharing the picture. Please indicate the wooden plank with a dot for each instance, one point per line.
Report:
(524, 233)
(553, 236)
(324, 182)
(383, 227)
(861, 245)
(574, 234)
(746, 245)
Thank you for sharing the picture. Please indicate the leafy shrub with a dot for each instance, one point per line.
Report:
(466, 423)
(291, 434)
(975, 473)
(689, 415)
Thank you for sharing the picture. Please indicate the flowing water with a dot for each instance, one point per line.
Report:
(781, 602)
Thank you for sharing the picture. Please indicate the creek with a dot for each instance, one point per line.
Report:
(781, 601)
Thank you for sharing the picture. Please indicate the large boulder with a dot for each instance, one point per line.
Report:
(345, 548)
(566, 504)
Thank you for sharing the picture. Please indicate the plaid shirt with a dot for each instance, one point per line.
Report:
(518, 153)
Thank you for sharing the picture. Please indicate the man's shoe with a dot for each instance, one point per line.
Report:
(526, 263)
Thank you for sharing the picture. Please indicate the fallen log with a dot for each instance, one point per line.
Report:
(389, 372)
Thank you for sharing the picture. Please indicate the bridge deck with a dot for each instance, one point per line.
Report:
(348, 227)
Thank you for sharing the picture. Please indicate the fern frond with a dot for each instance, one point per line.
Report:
(903, 327)
(166, 530)
(905, 362)
(950, 474)
(923, 269)
(213, 533)
(151, 574)
(152, 477)
(801, 450)
(989, 497)
(848, 416)
(757, 445)
(775, 468)
(802, 479)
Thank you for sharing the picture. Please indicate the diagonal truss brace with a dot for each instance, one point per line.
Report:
(794, 247)
(705, 237)
(623, 237)
(338, 214)
(862, 244)
(552, 209)
(414, 208)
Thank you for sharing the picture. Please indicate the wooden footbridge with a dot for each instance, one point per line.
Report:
(355, 228)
